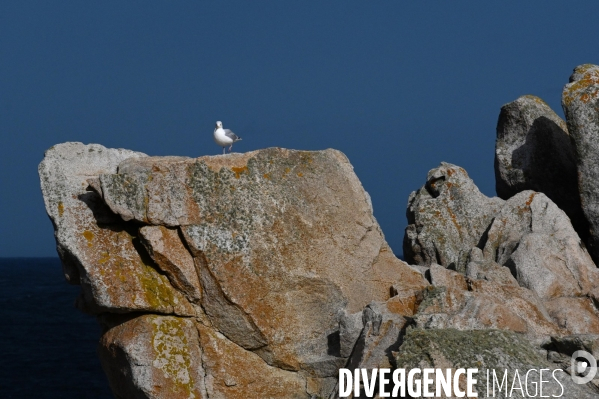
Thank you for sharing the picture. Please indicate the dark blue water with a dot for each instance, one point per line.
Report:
(47, 347)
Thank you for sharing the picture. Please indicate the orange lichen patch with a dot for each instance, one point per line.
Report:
(60, 208)
(450, 172)
(306, 156)
(105, 257)
(529, 201)
(454, 219)
(267, 176)
(535, 99)
(300, 174)
(89, 236)
(403, 305)
(216, 163)
(239, 170)
(590, 78)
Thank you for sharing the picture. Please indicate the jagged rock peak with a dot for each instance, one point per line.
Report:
(447, 216)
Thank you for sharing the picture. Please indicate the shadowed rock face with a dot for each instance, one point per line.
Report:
(533, 151)
(230, 269)
(580, 101)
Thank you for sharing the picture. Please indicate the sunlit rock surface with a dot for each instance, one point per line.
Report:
(261, 253)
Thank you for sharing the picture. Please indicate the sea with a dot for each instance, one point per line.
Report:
(47, 346)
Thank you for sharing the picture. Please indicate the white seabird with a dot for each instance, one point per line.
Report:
(224, 137)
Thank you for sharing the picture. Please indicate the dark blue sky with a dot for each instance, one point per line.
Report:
(397, 86)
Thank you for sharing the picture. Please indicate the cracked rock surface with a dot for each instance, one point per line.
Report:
(225, 276)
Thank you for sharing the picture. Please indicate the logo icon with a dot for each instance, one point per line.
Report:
(578, 367)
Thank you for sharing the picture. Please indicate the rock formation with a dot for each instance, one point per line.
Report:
(519, 264)
(203, 269)
(446, 218)
(534, 151)
(259, 275)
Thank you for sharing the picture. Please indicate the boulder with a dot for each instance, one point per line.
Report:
(255, 264)
(580, 101)
(533, 151)
(446, 218)
(536, 240)
(534, 276)
(516, 261)
(350, 328)
(282, 240)
(479, 268)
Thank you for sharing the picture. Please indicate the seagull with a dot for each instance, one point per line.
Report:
(224, 137)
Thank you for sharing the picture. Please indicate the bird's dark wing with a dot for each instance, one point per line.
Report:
(231, 135)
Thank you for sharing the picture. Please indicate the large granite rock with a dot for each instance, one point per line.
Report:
(446, 218)
(533, 151)
(580, 100)
(234, 271)
(535, 240)
(273, 233)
